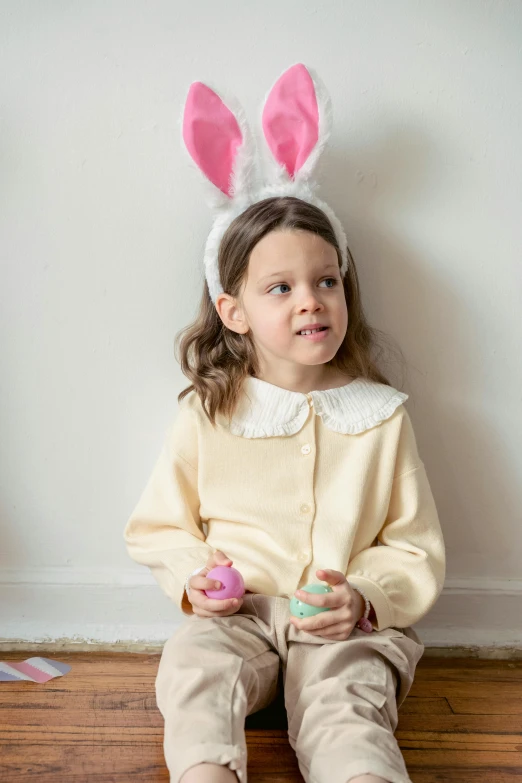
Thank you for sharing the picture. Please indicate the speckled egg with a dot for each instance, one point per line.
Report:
(232, 583)
(301, 609)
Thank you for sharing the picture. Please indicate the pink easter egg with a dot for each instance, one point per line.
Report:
(232, 584)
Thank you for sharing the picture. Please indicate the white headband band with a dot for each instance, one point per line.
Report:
(296, 122)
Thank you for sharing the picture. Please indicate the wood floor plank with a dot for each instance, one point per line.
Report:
(98, 762)
(54, 764)
(485, 706)
(89, 684)
(80, 735)
(84, 718)
(464, 775)
(59, 700)
(481, 667)
(468, 690)
(507, 743)
(479, 724)
(455, 759)
(461, 723)
(436, 705)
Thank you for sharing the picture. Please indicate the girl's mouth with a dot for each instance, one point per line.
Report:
(317, 335)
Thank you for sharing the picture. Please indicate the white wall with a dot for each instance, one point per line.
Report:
(102, 229)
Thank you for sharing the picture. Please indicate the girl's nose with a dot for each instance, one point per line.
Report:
(310, 302)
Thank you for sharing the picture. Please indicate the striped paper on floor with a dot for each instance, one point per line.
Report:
(32, 670)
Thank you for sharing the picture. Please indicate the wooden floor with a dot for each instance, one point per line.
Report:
(461, 723)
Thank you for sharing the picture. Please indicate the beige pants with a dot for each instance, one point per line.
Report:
(341, 697)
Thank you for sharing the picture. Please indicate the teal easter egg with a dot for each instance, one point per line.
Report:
(300, 608)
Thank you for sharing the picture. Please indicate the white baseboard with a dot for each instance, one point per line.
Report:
(126, 607)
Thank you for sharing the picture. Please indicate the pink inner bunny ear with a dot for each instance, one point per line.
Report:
(211, 134)
(291, 118)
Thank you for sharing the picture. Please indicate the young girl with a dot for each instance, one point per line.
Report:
(300, 458)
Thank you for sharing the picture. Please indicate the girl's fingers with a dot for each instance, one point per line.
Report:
(213, 607)
(203, 611)
(316, 623)
(220, 604)
(330, 600)
(201, 583)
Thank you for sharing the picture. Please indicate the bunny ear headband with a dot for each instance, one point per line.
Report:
(296, 121)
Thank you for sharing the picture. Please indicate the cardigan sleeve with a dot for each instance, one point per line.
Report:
(165, 530)
(404, 574)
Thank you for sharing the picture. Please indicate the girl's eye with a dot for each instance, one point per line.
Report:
(333, 279)
(284, 285)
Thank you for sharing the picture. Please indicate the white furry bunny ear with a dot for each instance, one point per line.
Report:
(219, 142)
(296, 121)
(296, 125)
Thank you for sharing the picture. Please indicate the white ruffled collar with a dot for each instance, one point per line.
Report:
(265, 410)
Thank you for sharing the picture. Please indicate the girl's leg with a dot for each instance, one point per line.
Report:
(213, 673)
(368, 779)
(209, 773)
(342, 712)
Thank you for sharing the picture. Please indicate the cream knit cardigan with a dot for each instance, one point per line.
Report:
(295, 483)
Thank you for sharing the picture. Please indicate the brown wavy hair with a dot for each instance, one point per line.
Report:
(216, 359)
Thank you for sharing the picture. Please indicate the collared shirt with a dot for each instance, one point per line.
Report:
(291, 484)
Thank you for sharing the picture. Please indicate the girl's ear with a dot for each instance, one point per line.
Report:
(296, 121)
(218, 139)
(230, 314)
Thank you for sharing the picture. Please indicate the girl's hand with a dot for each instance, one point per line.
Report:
(346, 608)
(202, 605)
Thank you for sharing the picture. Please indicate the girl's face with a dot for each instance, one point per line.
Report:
(293, 280)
